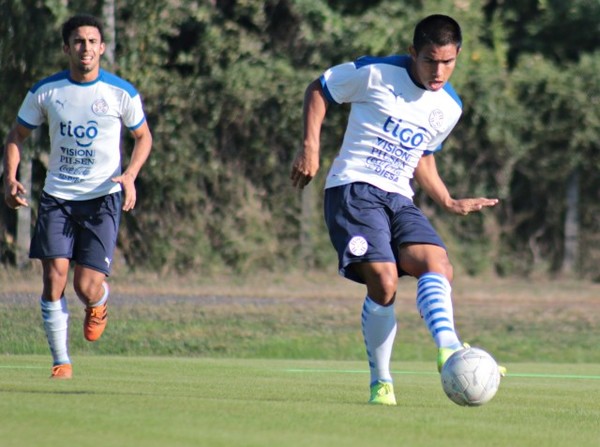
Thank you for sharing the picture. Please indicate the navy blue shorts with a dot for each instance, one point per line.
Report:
(84, 231)
(367, 224)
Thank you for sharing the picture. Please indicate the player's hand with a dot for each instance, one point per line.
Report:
(304, 169)
(127, 182)
(466, 206)
(14, 193)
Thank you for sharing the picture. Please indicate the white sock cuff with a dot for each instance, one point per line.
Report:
(373, 308)
(437, 277)
(104, 297)
(54, 305)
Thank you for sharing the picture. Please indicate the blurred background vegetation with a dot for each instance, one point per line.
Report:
(223, 81)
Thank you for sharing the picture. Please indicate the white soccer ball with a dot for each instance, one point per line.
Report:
(470, 377)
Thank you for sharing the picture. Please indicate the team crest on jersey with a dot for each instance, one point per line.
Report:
(358, 245)
(436, 119)
(100, 107)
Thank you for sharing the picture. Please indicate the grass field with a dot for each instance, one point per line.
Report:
(279, 361)
(149, 401)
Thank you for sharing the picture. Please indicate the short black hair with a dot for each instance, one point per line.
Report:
(81, 20)
(439, 30)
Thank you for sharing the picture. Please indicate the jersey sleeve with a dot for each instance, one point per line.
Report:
(133, 112)
(433, 150)
(31, 114)
(345, 83)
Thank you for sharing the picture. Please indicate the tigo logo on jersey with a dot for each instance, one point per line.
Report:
(409, 138)
(84, 135)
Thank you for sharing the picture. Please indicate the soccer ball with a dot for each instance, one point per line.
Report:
(470, 377)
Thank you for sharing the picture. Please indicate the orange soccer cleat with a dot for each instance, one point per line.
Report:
(95, 322)
(64, 371)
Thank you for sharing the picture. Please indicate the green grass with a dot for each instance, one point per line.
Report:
(225, 362)
(171, 401)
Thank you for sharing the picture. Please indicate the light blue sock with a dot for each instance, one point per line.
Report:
(379, 331)
(435, 306)
(56, 317)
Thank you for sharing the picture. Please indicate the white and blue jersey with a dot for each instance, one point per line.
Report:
(84, 121)
(393, 121)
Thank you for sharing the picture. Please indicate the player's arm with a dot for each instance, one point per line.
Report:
(306, 163)
(141, 151)
(426, 174)
(13, 189)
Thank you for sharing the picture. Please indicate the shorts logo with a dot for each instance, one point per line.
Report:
(436, 119)
(100, 107)
(358, 245)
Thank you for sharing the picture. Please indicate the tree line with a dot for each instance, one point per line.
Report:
(222, 83)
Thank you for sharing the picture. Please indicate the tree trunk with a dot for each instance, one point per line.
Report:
(108, 20)
(23, 230)
(571, 243)
(307, 225)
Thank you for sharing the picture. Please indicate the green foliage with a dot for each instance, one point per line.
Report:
(22, 58)
(223, 84)
(562, 31)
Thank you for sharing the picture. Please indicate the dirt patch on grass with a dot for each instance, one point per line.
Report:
(535, 301)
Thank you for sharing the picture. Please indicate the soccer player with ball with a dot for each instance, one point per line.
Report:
(402, 109)
(85, 190)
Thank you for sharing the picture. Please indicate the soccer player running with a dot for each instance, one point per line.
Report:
(84, 190)
(402, 109)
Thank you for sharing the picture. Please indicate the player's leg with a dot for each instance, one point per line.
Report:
(96, 242)
(378, 317)
(90, 286)
(430, 264)
(360, 231)
(422, 254)
(52, 243)
(55, 315)
(379, 326)
(92, 289)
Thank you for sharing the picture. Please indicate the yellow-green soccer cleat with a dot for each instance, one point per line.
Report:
(445, 353)
(382, 393)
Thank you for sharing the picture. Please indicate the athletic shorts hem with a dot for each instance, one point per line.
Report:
(106, 272)
(46, 257)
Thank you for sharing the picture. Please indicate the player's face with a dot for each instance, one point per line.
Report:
(433, 65)
(84, 50)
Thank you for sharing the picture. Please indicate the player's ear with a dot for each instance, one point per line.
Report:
(102, 48)
(66, 49)
(413, 52)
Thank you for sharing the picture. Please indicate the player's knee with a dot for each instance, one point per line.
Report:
(82, 291)
(443, 266)
(55, 282)
(447, 269)
(87, 291)
(55, 276)
(382, 288)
